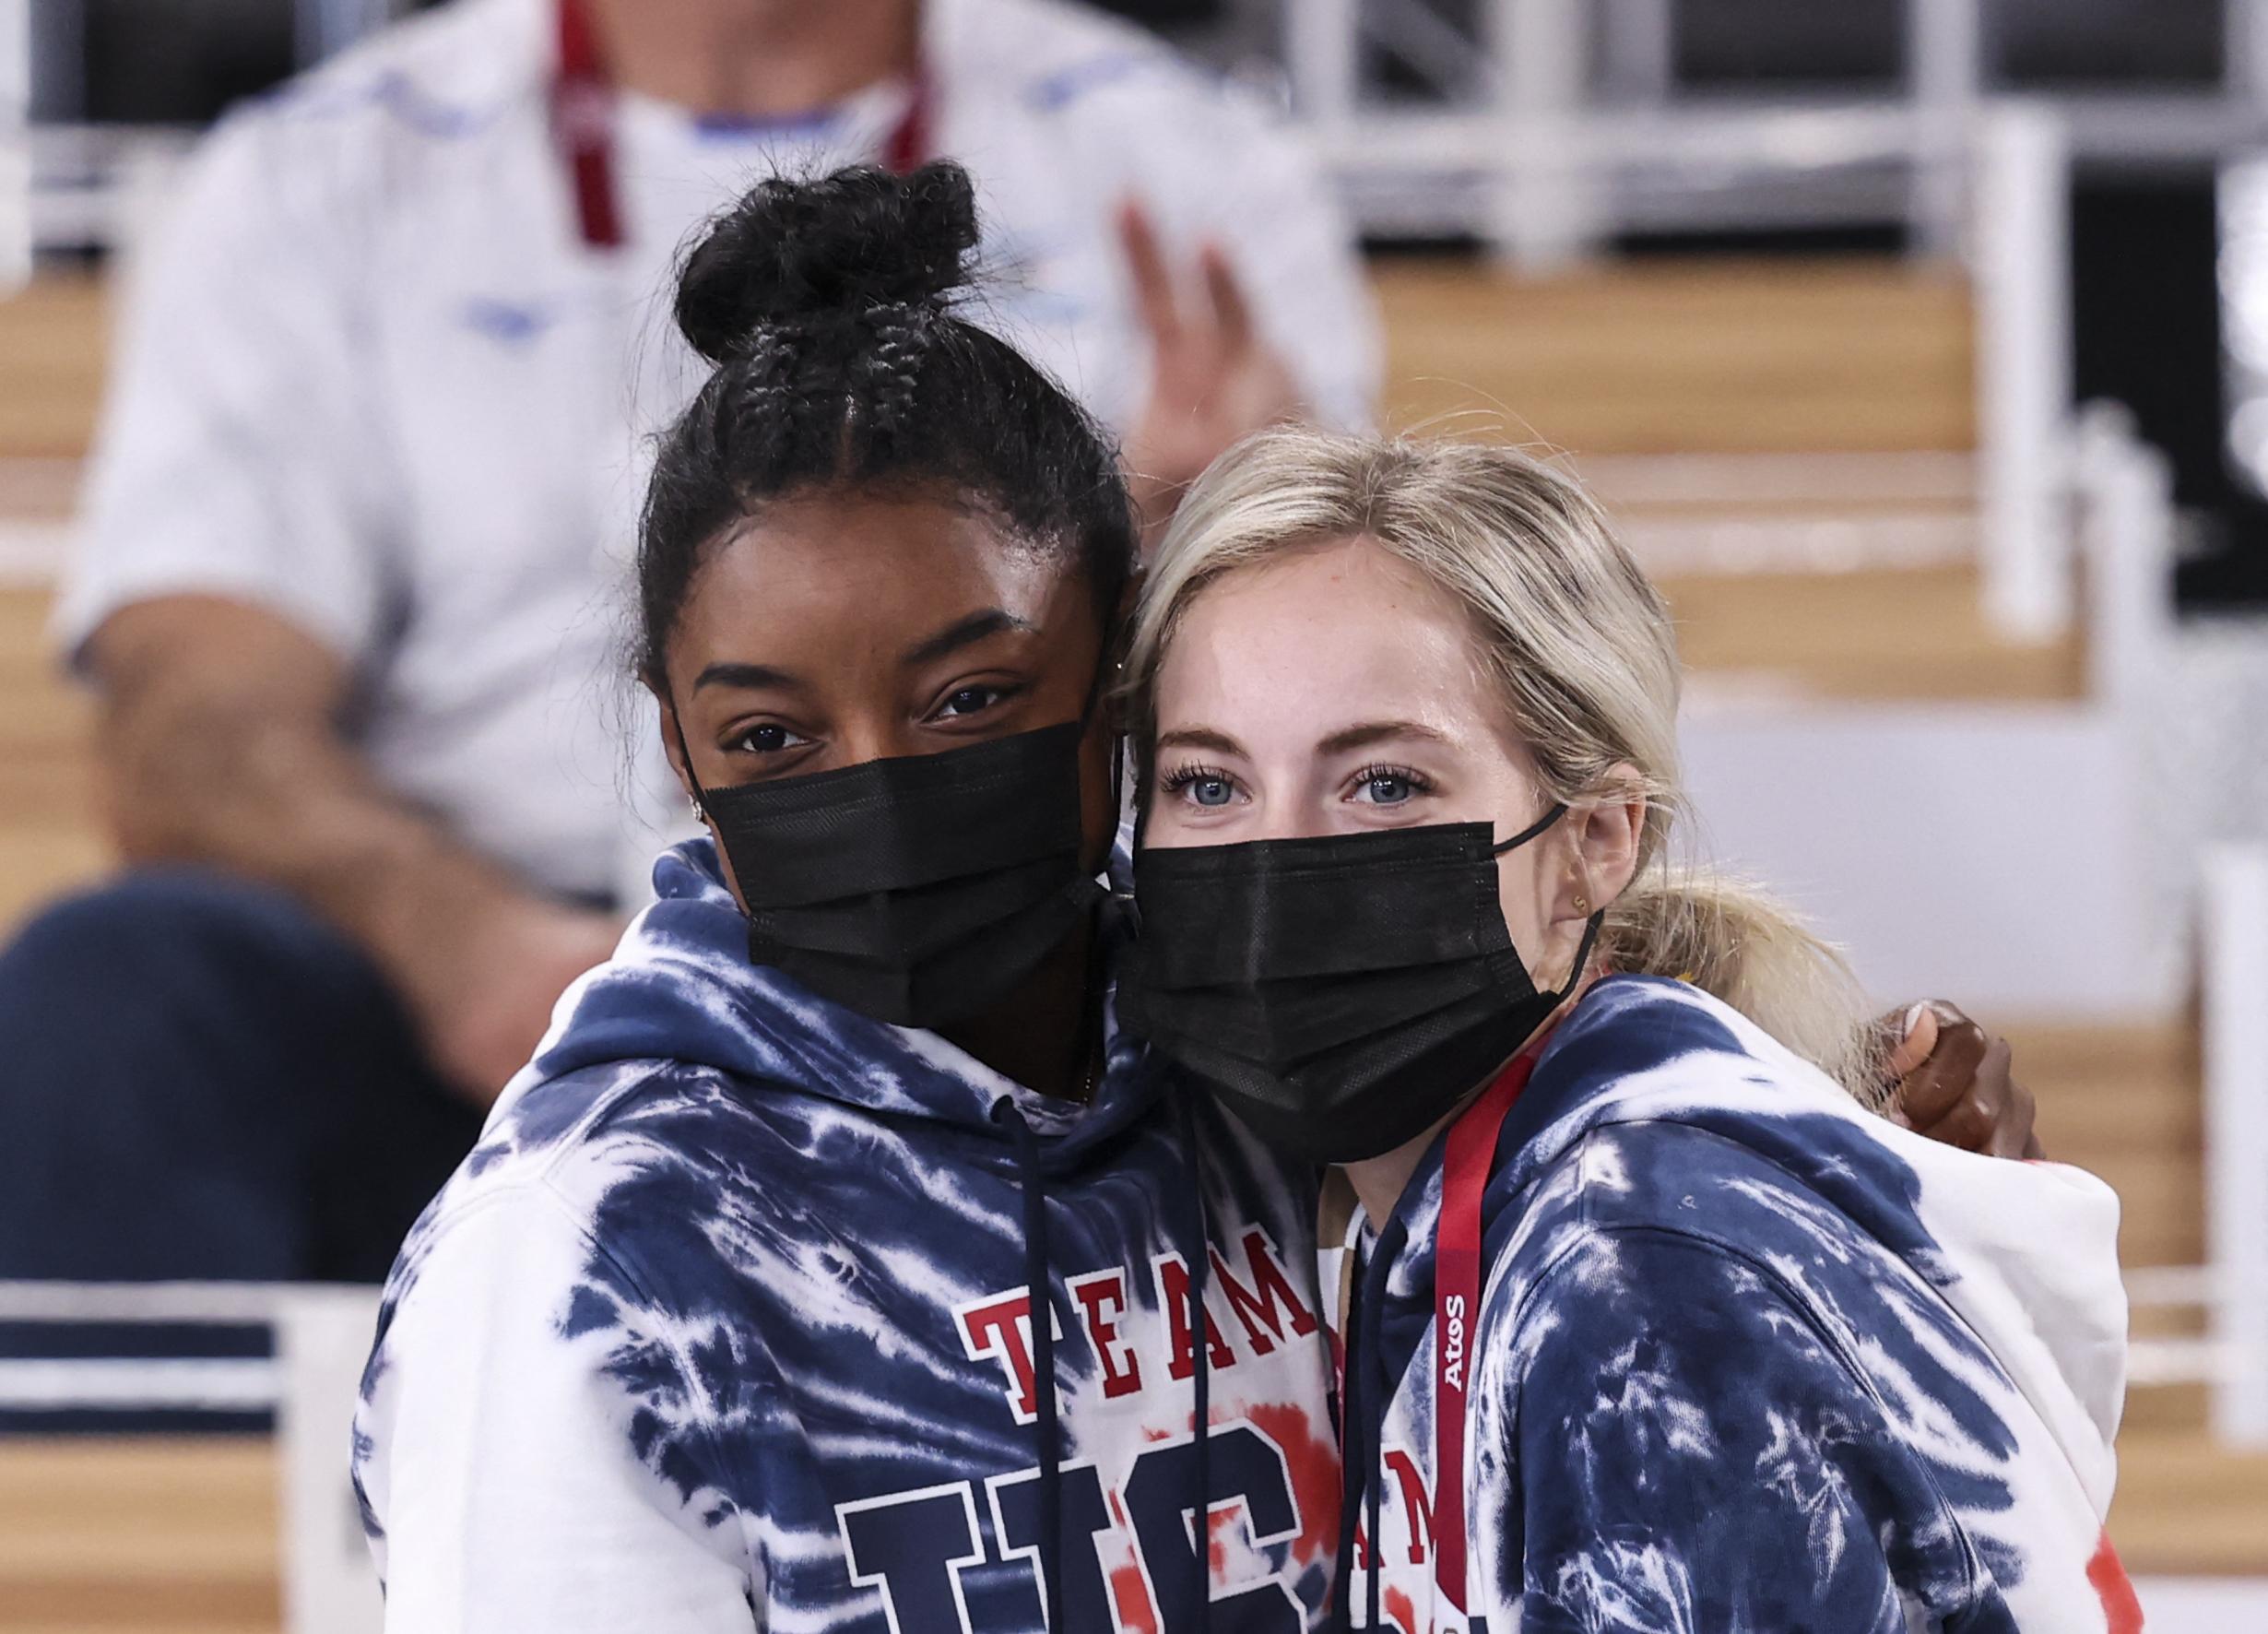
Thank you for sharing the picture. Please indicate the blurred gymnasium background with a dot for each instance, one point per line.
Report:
(1922, 346)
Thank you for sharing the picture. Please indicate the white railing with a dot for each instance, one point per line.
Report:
(2231, 1288)
(101, 186)
(2019, 254)
(2236, 1041)
(15, 144)
(2121, 491)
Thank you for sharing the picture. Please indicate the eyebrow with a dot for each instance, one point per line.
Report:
(747, 675)
(1378, 731)
(1200, 737)
(962, 632)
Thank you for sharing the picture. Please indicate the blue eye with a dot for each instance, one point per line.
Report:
(1200, 785)
(1387, 786)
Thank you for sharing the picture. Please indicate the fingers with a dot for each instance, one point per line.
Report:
(1224, 293)
(1992, 1115)
(1929, 1093)
(1154, 279)
(1956, 1084)
(1228, 314)
(1915, 1032)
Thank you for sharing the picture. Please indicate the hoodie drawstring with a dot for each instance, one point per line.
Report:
(1200, 1350)
(1040, 1303)
(1380, 1271)
(1362, 1413)
(1350, 1438)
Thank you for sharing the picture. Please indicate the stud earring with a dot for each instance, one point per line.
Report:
(1582, 902)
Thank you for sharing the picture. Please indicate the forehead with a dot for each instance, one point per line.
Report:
(841, 571)
(1317, 637)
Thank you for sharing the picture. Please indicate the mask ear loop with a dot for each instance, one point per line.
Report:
(1592, 926)
(1529, 833)
(1582, 957)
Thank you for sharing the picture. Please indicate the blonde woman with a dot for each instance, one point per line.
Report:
(1655, 1324)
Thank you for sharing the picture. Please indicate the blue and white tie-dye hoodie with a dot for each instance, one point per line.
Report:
(1748, 1359)
(724, 1326)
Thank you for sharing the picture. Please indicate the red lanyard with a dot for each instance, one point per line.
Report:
(583, 126)
(1471, 1153)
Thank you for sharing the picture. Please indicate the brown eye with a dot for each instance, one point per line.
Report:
(770, 737)
(971, 700)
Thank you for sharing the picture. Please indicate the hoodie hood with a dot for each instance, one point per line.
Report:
(681, 989)
(2026, 1252)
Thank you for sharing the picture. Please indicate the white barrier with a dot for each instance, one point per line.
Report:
(321, 1336)
(2236, 1039)
(14, 145)
(2019, 258)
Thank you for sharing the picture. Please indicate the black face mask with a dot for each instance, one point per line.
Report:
(1341, 994)
(917, 890)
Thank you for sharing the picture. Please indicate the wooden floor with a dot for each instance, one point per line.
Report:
(101, 1537)
(55, 345)
(1713, 357)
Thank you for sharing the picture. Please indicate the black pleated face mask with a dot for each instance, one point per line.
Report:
(917, 890)
(1341, 994)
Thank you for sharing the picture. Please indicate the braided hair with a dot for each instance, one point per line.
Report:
(827, 308)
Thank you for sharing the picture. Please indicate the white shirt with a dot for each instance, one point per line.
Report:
(372, 380)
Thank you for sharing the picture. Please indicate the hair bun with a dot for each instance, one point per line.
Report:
(798, 251)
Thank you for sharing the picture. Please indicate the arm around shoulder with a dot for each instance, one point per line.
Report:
(498, 1448)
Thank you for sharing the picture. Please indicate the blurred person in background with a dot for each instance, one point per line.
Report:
(358, 515)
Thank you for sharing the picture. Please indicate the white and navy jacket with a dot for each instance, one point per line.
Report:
(724, 1326)
(1747, 1359)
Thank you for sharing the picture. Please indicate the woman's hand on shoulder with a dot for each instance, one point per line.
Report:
(1955, 1083)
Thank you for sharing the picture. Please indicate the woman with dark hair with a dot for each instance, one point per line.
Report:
(727, 1322)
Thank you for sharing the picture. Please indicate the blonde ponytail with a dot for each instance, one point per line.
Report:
(1581, 646)
(1733, 939)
